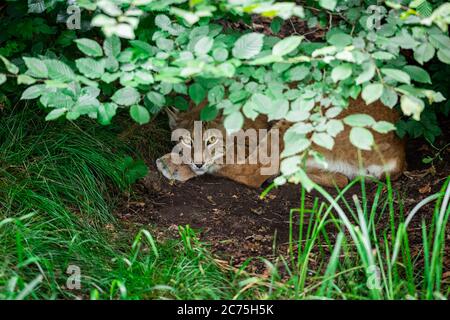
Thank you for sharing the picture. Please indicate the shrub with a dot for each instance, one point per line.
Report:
(151, 54)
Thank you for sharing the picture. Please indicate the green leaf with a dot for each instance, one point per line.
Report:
(143, 47)
(139, 114)
(24, 79)
(110, 77)
(188, 16)
(440, 41)
(302, 128)
(281, 110)
(297, 73)
(286, 45)
(233, 122)
(372, 92)
(203, 46)
(126, 96)
(424, 53)
(424, 8)
(180, 103)
(89, 47)
(112, 46)
(359, 120)
(163, 22)
(323, 139)
(334, 127)
(59, 99)
(418, 74)
(341, 72)
(72, 115)
(9, 65)
(248, 45)
(328, 4)
(197, 93)
(367, 73)
(86, 104)
(361, 138)
(297, 115)
(55, 114)
(144, 77)
(412, 106)
(33, 92)
(209, 113)
(383, 55)
(383, 127)
(263, 103)
(294, 145)
(333, 112)
(105, 113)
(444, 55)
(2, 78)
(59, 71)
(249, 109)
(91, 68)
(220, 54)
(290, 165)
(340, 39)
(216, 94)
(276, 24)
(36, 67)
(226, 69)
(165, 44)
(398, 75)
(156, 98)
(389, 97)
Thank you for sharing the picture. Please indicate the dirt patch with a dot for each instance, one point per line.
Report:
(239, 225)
(232, 218)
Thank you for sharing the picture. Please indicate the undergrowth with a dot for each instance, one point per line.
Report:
(57, 191)
(58, 187)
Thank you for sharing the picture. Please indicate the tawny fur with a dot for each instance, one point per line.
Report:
(344, 162)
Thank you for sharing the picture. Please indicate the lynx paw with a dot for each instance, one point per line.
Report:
(178, 172)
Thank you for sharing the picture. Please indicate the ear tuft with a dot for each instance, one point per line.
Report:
(173, 115)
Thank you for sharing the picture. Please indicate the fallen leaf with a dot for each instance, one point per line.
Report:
(425, 189)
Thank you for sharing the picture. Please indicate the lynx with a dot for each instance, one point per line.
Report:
(344, 160)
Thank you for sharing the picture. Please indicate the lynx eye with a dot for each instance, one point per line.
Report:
(211, 140)
(186, 140)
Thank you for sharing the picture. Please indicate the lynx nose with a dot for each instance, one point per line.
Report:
(198, 165)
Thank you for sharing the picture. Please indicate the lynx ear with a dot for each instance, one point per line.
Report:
(173, 115)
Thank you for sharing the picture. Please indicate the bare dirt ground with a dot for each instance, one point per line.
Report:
(239, 225)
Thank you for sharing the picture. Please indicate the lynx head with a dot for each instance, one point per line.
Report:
(199, 145)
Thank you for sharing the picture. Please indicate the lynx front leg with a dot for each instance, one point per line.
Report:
(171, 171)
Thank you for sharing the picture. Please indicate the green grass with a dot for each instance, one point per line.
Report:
(354, 258)
(57, 188)
(59, 183)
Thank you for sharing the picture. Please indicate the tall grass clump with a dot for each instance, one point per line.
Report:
(352, 246)
(58, 185)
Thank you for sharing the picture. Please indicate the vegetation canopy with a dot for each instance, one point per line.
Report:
(150, 53)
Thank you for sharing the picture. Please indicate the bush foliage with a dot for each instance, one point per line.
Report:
(142, 55)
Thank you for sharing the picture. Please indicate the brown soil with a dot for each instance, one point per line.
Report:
(239, 225)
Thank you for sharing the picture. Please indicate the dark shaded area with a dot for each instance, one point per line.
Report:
(239, 225)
